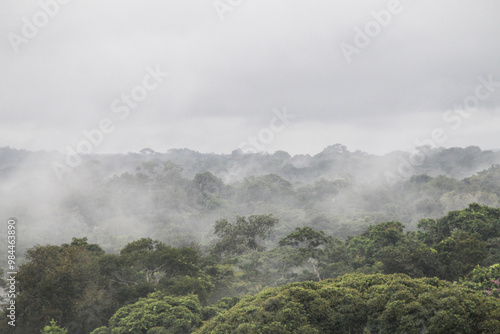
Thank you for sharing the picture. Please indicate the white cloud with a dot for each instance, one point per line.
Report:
(227, 76)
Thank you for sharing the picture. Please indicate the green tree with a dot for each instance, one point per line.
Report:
(157, 313)
(208, 190)
(476, 218)
(485, 279)
(385, 234)
(305, 238)
(265, 188)
(459, 254)
(53, 328)
(411, 257)
(52, 284)
(384, 237)
(147, 265)
(245, 235)
(310, 245)
(358, 303)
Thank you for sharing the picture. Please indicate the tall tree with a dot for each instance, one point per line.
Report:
(244, 236)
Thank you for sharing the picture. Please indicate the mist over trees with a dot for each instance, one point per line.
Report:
(178, 195)
(184, 242)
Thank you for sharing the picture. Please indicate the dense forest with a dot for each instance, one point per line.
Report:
(177, 196)
(184, 242)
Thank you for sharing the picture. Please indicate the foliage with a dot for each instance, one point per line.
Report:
(52, 284)
(81, 287)
(360, 303)
(244, 236)
(476, 218)
(157, 313)
(152, 287)
(485, 279)
(53, 328)
(459, 253)
(305, 237)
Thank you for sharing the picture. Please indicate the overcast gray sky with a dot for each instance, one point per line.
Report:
(226, 76)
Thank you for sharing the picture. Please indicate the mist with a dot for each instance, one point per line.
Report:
(178, 195)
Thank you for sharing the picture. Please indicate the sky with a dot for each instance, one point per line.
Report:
(213, 76)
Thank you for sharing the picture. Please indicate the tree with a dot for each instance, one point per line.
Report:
(266, 188)
(208, 190)
(147, 265)
(157, 313)
(207, 183)
(476, 218)
(484, 279)
(381, 237)
(244, 236)
(53, 328)
(153, 260)
(310, 245)
(159, 173)
(358, 303)
(459, 254)
(304, 238)
(385, 234)
(52, 284)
